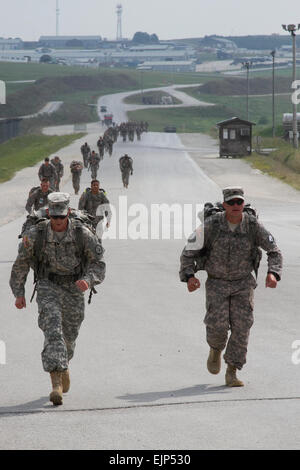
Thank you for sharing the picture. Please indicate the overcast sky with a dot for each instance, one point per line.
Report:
(169, 19)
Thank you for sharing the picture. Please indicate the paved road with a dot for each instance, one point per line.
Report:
(139, 378)
(49, 108)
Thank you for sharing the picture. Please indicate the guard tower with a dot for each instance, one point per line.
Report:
(119, 23)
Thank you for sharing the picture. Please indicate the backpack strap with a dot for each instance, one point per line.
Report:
(256, 251)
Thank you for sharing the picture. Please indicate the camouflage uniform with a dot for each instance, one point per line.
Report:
(49, 172)
(230, 284)
(126, 168)
(37, 199)
(94, 161)
(60, 302)
(85, 151)
(76, 168)
(90, 202)
(59, 171)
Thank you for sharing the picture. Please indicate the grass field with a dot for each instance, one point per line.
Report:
(260, 107)
(26, 151)
(284, 163)
(186, 119)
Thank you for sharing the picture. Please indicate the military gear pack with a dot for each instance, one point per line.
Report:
(80, 219)
(210, 210)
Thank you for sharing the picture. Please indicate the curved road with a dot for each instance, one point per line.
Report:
(139, 378)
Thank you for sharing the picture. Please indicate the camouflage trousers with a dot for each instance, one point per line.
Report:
(125, 176)
(61, 312)
(57, 183)
(76, 182)
(229, 306)
(94, 171)
(85, 157)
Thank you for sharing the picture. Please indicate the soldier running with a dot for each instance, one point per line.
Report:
(231, 241)
(47, 170)
(76, 170)
(94, 161)
(85, 151)
(67, 259)
(126, 168)
(38, 196)
(56, 162)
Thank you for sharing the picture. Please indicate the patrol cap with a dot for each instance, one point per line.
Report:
(233, 192)
(58, 203)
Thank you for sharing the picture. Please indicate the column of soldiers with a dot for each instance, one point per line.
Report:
(128, 129)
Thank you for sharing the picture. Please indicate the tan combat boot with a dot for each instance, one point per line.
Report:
(66, 380)
(56, 395)
(231, 378)
(214, 361)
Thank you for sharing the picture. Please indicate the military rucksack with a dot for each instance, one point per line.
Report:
(210, 210)
(80, 219)
(32, 190)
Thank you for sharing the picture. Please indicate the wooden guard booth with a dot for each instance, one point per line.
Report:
(235, 136)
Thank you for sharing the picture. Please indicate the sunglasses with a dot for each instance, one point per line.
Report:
(239, 202)
(55, 217)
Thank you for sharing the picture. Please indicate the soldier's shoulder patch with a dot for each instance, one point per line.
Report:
(99, 250)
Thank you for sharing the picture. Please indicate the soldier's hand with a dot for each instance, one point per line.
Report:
(20, 302)
(107, 225)
(271, 281)
(193, 284)
(82, 285)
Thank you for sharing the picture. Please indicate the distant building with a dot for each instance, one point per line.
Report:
(169, 66)
(88, 42)
(11, 44)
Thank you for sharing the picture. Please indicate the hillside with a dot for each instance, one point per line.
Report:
(238, 86)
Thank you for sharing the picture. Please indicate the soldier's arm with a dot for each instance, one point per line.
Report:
(95, 269)
(22, 265)
(40, 172)
(192, 251)
(104, 209)
(29, 203)
(82, 201)
(267, 242)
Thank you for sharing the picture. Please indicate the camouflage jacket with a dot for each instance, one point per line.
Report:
(37, 199)
(59, 167)
(90, 202)
(126, 163)
(231, 255)
(76, 167)
(47, 171)
(94, 159)
(60, 257)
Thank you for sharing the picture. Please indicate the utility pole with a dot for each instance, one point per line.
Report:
(247, 66)
(273, 93)
(292, 28)
(57, 18)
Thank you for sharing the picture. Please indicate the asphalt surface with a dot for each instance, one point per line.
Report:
(139, 377)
